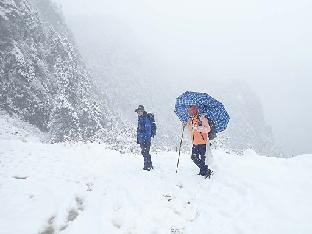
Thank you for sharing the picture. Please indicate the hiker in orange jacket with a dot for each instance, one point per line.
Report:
(199, 128)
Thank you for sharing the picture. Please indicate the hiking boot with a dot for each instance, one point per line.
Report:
(150, 165)
(202, 171)
(208, 173)
(146, 168)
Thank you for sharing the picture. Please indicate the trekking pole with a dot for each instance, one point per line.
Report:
(180, 147)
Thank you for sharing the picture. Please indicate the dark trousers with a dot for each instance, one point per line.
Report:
(145, 147)
(198, 156)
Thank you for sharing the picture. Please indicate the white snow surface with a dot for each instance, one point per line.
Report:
(88, 189)
(13, 128)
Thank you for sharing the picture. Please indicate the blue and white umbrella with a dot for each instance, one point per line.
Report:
(208, 106)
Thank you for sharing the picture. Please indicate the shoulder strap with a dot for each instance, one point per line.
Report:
(199, 120)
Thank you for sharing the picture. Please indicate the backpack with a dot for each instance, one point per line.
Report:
(153, 123)
(212, 134)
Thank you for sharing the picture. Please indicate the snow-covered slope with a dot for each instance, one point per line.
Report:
(14, 128)
(86, 188)
(43, 77)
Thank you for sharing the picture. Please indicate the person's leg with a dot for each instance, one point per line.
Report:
(205, 171)
(149, 157)
(202, 153)
(195, 156)
(145, 154)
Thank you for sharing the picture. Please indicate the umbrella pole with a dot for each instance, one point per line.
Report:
(181, 141)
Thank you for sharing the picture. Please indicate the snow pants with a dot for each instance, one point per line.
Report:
(145, 149)
(199, 156)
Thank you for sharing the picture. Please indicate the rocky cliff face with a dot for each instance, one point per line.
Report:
(43, 78)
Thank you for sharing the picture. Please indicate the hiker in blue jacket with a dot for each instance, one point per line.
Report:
(144, 135)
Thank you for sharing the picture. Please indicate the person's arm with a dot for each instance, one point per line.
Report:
(205, 128)
(140, 131)
(189, 126)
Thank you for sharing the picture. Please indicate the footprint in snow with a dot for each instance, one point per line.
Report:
(116, 223)
(73, 213)
(168, 197)
(20, 177)
(176, 230)
(49, 229)
(89, 186)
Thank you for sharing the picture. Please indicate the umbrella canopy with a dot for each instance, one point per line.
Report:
(208, 106)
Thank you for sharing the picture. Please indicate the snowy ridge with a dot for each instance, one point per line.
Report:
(86, 188)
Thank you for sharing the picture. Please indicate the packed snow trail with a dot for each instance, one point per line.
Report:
(86, 188)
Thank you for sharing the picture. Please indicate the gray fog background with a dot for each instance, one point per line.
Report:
(265, 43)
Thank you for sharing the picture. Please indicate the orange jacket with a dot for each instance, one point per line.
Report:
(199, 132)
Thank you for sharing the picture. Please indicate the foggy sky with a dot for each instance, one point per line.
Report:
(266, 43)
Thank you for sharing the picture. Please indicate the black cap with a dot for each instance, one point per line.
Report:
(140, 108)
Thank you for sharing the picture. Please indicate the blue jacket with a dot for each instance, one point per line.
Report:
(144, 130)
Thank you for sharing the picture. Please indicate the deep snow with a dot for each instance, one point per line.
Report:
(89, 189)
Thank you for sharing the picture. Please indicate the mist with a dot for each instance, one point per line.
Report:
(266, 44)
